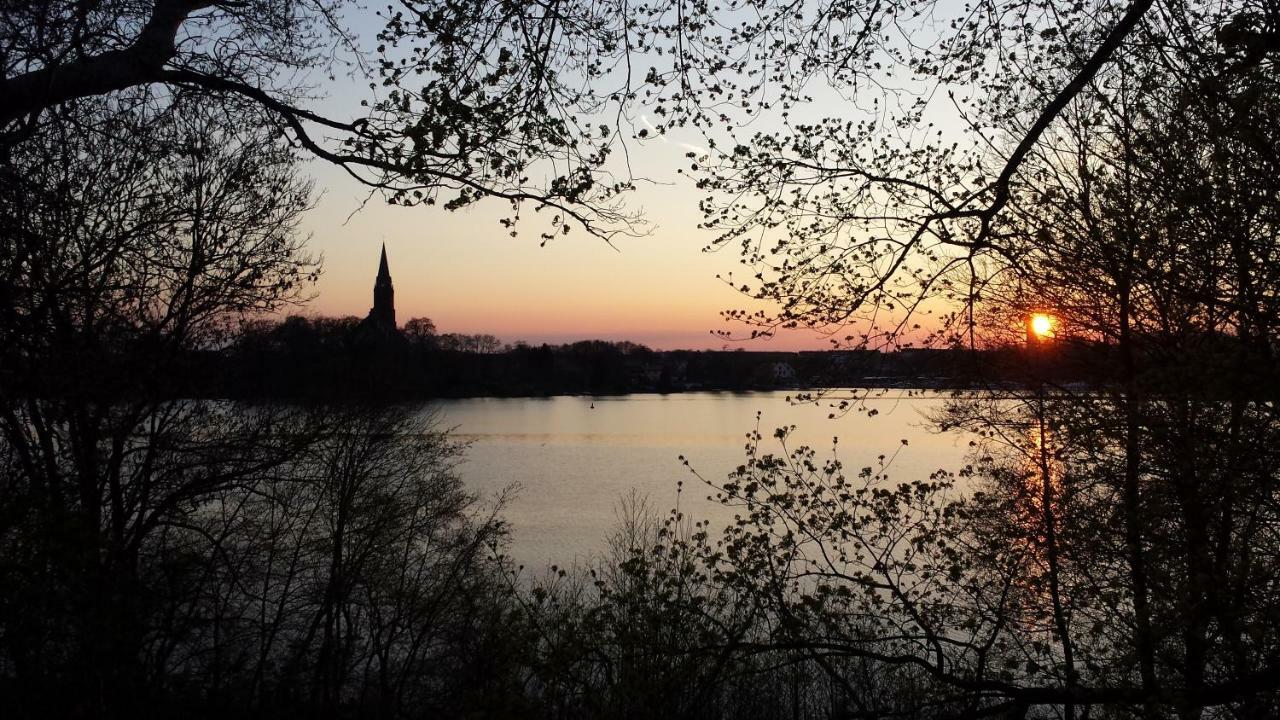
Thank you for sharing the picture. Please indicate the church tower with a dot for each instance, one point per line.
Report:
(383, 313)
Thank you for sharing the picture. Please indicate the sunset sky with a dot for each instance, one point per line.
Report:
(462, 270)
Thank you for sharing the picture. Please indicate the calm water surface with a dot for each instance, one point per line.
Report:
(574, 458)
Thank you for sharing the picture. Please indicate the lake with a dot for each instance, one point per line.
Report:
(574, 458)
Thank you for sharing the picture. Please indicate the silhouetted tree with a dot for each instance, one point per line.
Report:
(650, 629)
(1107, 551)
(355, 580)
(420, 332)
(475, 93)
(169, 556)
(121, 251)
(882, 224)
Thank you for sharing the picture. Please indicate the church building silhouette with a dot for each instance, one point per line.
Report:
(382, 316)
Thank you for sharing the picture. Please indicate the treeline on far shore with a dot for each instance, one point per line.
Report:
(334, 358)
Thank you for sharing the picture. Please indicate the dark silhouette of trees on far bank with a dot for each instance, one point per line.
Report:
(300, 357)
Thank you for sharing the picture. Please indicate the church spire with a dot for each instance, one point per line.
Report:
(383, 271)
(384, 305)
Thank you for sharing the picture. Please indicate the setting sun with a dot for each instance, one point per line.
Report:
(1042, 325)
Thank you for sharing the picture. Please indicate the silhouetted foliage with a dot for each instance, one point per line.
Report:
(1108, 550)
(168, 556)
(470, 96)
